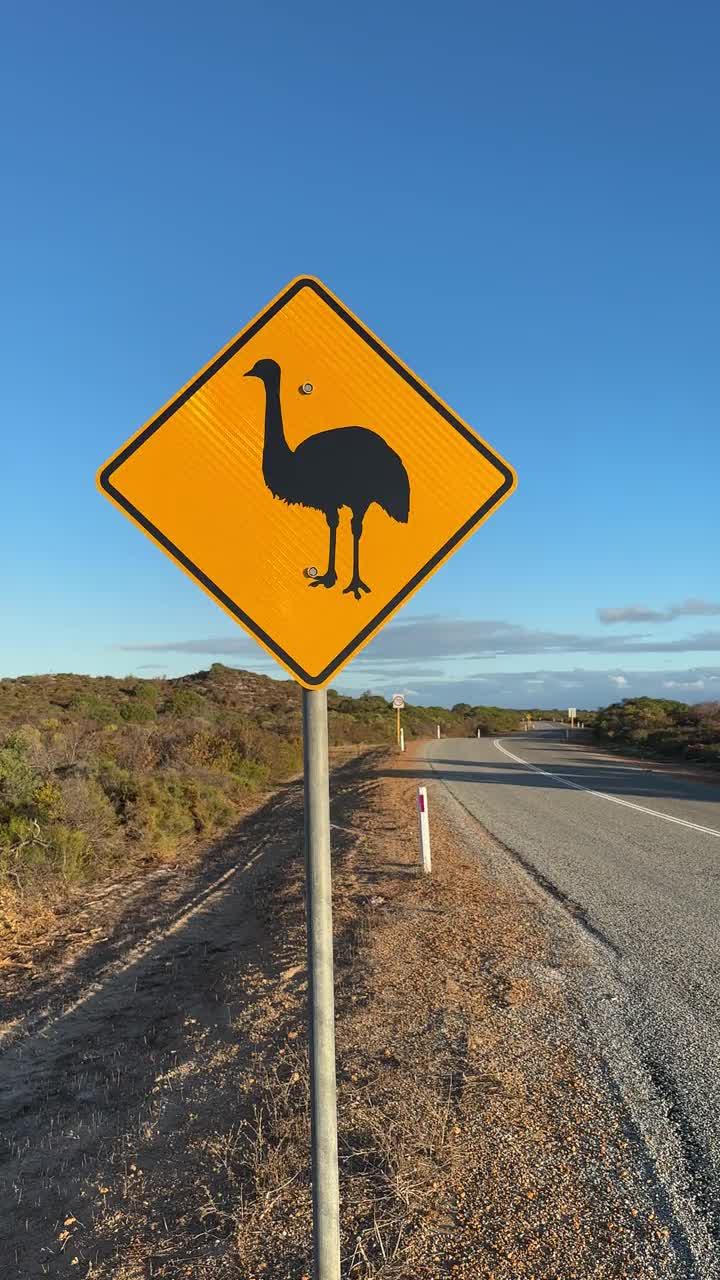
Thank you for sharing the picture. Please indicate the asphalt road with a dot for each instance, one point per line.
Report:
(632, 857)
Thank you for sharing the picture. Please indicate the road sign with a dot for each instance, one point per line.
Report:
(572, 712)
(398, 702)
(307, 481)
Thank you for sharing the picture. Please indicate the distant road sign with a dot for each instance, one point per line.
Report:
(398, 702)
(305, 435)
(572, 712)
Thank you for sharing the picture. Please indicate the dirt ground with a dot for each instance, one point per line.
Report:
(154, 1083)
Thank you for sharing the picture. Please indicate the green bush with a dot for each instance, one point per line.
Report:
(119, 785)
(251, 773)
(18, 780)
(23, 849)
(212, 807)
(162, 810)
(71, 853)
(138, 711)
(87, 807)
(30, 854)
(89, 707)
(662, 727)
(184, 704)
(170, 808)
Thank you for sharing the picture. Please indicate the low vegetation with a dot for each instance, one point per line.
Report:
(96, 773)
(662, 727)
(560, 715)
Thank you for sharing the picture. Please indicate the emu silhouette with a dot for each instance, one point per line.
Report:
(345, 467)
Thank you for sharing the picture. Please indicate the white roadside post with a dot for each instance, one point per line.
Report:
(438, 731)
(424, 826)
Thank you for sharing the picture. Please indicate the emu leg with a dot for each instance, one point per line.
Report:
(356, 585)
(330, 578)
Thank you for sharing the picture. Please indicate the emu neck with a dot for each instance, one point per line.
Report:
(276, 450)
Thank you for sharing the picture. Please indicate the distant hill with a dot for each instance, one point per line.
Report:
(226, 692)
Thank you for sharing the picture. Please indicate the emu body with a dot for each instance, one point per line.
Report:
(343, 467)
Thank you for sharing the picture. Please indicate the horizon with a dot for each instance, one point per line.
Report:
(282, 678)
(526, 216)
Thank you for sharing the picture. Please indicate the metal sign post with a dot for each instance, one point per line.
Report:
(318, 900)
(399, 705)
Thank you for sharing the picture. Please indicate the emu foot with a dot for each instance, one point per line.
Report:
(356, 586)
(327, 580)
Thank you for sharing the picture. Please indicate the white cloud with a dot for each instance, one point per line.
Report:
(683, 684)
(418, 639)
(512, 688)
(638, 613)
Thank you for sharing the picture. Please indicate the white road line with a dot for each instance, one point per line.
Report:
(603, 795)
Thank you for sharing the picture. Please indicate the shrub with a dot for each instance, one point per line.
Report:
(119, 785)
(30, 854)
(251, 773)
(170, 808)
(138, 711)
(90, 707)
(23, 849)
(18, 779)
(70, 853)
(662, 727)
(86, 807)
(161, 811)
(185, 704)
(48, 801)
(212, 807)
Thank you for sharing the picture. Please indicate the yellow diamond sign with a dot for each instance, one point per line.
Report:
(308, 481)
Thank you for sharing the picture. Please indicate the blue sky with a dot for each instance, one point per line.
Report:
(521, 199)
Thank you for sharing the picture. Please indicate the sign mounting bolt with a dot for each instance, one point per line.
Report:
(307, 388)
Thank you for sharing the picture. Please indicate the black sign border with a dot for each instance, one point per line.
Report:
(312, 681)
